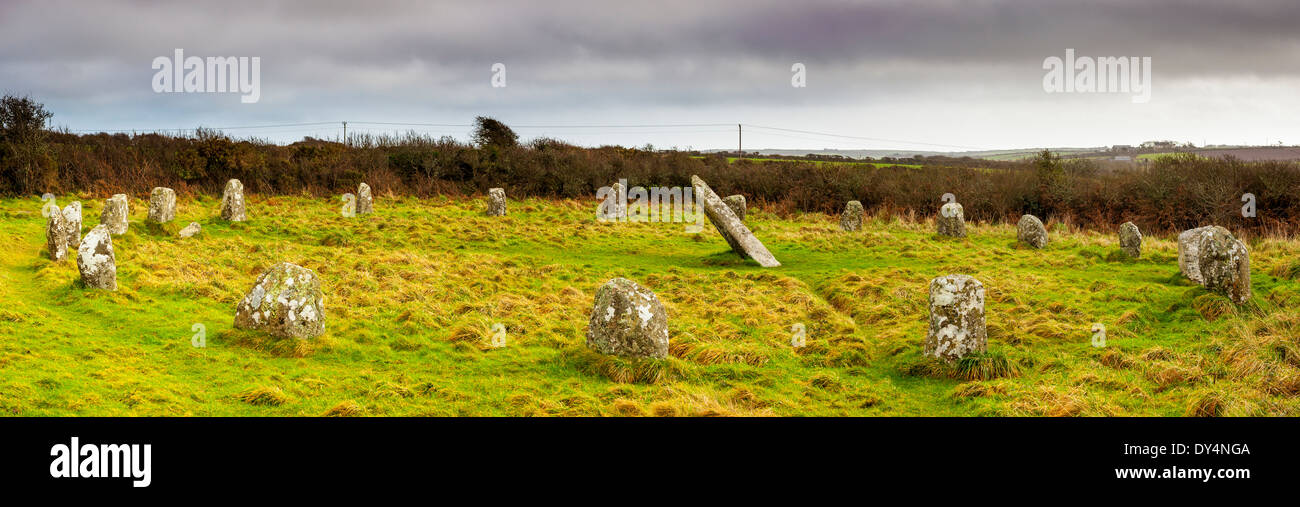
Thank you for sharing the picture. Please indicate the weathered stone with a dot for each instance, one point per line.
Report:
(56, 236)
(232, 202)
(1030, 230)
(365, 203)
(733, 230)
(496, 205)
(115, 214)
(737, 205)
(286, 301)
(1224, 264)
(956, 318)
(1189, 261)
(851, 218)
(96, 261)
(1130, 239)
(72, 224)
(162, 205)
(952, 220)
(614, 208)
(628, 320)
(191, 230)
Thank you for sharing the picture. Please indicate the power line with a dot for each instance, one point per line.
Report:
(864, 138)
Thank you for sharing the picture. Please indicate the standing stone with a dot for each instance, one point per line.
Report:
(232, 202)
(72, 224)
(114, 215)
(1030, 230)
(614, 207)
(1189, 261)
(851, 219)
(1224, 264)
(733, 230)
(952, 220)
(162, 205)
(56, 236)
(496, 206)
(191, 230)
(1130, 239)
(737, 205)
(286, 301)
(365, 203)
(628, 320)
(956, 318)
(96, 261)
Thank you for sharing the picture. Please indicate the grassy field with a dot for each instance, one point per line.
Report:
(412, 294)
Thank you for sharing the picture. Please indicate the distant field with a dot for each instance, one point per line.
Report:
(412, 293)
(820, 162)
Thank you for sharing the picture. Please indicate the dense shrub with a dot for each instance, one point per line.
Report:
(1168, 194)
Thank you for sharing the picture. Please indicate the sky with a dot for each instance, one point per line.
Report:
(906, 75)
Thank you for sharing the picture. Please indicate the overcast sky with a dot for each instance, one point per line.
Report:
(918, 74)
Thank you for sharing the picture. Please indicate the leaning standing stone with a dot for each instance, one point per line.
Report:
(286, 301)
(56, 236)
(162, 205)
(1189, 261)
(72, 224)
(496, 206)
(956, 318)
(96, 261)
(232, 202)
(952, 220)
(1224, 264)
(1030, 230)
(1130, 239)
(191, 230)
(114, 215)
(730, 226)
(851, 219)
(737, 205)
(628, 320)
(365, 203)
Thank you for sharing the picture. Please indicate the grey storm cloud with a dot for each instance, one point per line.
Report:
(94, 55)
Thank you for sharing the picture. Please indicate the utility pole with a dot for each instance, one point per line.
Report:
(740, 138)
(345, 133)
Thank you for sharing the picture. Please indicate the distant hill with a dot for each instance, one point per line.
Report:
(984, 154)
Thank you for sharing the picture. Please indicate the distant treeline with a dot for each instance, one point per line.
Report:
(1167, 195)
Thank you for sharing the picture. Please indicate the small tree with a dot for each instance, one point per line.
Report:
(24, 162)
(489, 132)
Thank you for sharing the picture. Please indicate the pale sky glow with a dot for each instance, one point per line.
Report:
(963, 74)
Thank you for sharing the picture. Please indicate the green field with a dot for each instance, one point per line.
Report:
(412, 294)
(732, 160)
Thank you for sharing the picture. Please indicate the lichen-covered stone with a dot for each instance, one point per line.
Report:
(951, 220)
(96, 261)
(496, 203)
(232, 202)
(191, 230)
(956, 318)
(1030, 231)
(737, 205)
(365, 203)
(628, 320)
(162, 205)
(851, 218)
(286, 301)
(733, 230)
(613, 207)
(1130, 239)
(72, 224)
(115, 214)
(1189, 261)
(56, 237)
(1224, 264)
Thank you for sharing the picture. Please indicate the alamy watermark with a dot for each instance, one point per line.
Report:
(620, 203)
(221, 74)
(1105, 74)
